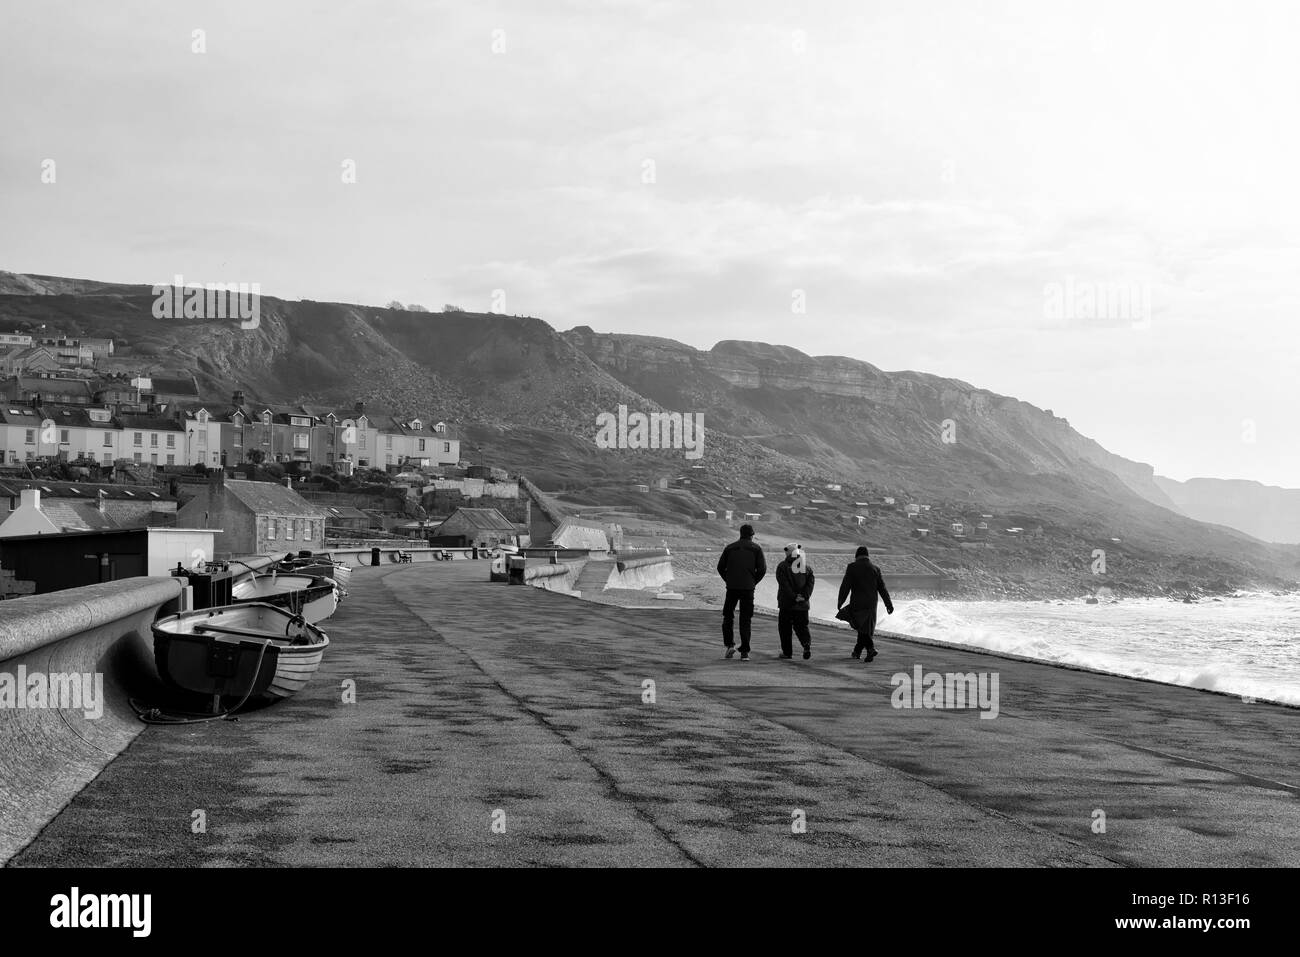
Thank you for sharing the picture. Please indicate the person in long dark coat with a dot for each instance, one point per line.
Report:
(742, 566)
(863, 585)
(794, 587)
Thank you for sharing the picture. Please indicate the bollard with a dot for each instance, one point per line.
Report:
(515, 569)
(374, 556)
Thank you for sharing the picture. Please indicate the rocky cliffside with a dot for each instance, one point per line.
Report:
(1268, 512)
(757, 388)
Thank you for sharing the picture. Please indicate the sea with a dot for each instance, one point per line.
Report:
(1247, 644)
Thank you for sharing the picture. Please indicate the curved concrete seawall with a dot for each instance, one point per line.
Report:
(47, 754)
(562, 576)
(637, 572)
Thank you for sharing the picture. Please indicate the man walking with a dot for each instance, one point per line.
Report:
(794, 587)
(863, 581)
(741, 566)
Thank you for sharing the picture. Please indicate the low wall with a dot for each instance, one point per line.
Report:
(642, 573)
(560, 577)
(47, 755)
(361, 556)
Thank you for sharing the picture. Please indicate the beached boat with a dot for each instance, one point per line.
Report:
(317, 565)
(238, 653)
(312, 596)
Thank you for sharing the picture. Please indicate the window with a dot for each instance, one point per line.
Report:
(139, 440)
(388, 441)
(301, 440)
(63, 436)
(108, 440)
(171, 441)
(446, 446)
(361, 439)
(421, 445)
(108, 458)
(138, 457)
(239, 440)
(203, 440)
(271, 528)
(31, 438)
(288, 529)
(153, 440)
(171, 460)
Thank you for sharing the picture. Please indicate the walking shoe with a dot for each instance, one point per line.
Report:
(856, 657)
(744, 657)
(784, 656)
(871, 656)
(731, 652)
(807, 653)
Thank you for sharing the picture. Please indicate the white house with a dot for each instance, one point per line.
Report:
(85, 433)
(151, 439)
(202, 438)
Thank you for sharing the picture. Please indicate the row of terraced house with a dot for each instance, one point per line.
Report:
(219, 434)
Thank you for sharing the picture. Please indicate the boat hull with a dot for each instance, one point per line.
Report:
(312, 596)
(256, 651)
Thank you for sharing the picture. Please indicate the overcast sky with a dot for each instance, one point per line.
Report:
(926, 176)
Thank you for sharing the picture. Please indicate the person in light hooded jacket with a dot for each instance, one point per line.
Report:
(794, 587)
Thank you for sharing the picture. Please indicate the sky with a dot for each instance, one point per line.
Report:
(1089, 206)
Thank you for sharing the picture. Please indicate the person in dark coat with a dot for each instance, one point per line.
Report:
(862, 584)
(742, 567)
(794, 588)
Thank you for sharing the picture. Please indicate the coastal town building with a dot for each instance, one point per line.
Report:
(481, 527)
(38, 507)
(151, 421)
(254, 518)
(42, 563)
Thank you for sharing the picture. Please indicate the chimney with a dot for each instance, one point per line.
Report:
(359, 408)
(216, 483)
(100, 501)
(288, 481)
(32, 497)
(237, 398)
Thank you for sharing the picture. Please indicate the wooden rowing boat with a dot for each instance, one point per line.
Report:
(238, 653)
(312, 596)
(317, 565)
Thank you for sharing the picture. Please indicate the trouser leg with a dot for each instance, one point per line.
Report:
(784, 624)
(801, 629)
(729, 618)
(746, 615)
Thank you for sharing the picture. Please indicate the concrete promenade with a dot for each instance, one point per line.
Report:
(474, 698)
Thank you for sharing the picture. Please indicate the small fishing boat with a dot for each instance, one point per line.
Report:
(239, 653)
(316, 565)
(312, 596)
